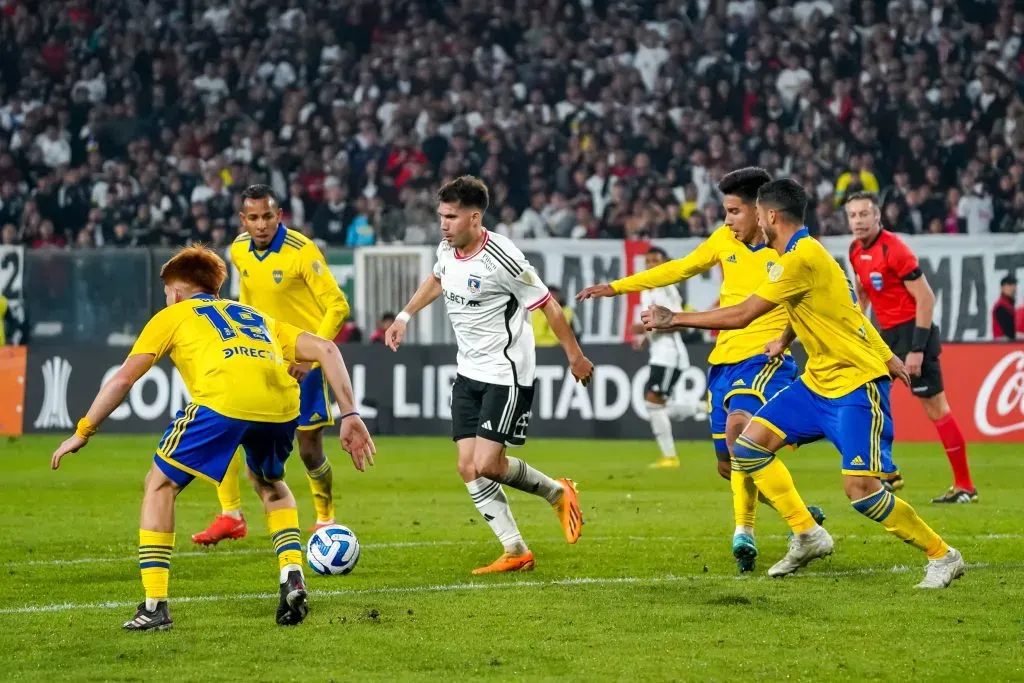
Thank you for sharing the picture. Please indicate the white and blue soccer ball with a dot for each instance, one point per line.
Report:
(332, 549)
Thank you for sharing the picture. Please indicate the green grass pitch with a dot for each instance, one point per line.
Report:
(649, 593)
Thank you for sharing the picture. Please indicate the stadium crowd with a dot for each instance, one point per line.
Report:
(137, 123)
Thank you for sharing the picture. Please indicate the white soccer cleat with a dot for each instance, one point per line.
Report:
(943, 571)
(803, 548)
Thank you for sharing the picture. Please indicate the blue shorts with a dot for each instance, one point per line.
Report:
(201, 442)
(314, 401)
(744, 386)
(859, 424)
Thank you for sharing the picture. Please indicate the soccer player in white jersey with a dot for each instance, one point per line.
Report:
(489, 288)
(668, 360)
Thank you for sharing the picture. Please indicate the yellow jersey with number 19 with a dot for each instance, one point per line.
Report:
(744, 269)
(290, 281)
(844, 351)
(233, 359)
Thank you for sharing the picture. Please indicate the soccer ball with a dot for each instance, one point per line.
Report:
(332, 549)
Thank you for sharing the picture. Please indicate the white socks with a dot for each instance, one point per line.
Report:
(287, 569)
(490, 500)
(661, 425)
(748, 530)
(523, 477)
(233, 514)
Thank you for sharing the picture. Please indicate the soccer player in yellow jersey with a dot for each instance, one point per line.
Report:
(742, 376)
(843, 395)
(284, 274)
(234, 361)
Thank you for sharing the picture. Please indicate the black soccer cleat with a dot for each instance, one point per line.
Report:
(146, 620)
(955, 495)
(293, 607)
(893, 483)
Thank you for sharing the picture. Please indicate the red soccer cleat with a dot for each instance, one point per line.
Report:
(320, 525)
(223, 526)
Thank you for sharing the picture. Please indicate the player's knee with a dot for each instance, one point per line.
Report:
(311, 446)
(467, 470)
(857, 488)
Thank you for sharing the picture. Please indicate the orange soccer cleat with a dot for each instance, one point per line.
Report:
(223, 526)
(320, 525)
(508, 563)
(568, 510)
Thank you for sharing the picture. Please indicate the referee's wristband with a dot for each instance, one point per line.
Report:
(354, 412)
(403, 318)
(85, 428)
(919, 342)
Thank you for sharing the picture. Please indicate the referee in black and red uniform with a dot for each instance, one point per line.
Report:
(889, 278)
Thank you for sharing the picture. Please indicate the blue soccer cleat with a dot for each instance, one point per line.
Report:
(745, 551)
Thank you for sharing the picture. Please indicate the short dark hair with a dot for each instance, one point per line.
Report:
(744, 183)
(659, 251)
(785, 196)
(387, 316)
(467, 191)
(259, 191)
(862, 194)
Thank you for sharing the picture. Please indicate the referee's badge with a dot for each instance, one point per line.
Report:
(876, 281)
(474, 284)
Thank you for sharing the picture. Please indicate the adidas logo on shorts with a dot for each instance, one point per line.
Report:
(487, 425)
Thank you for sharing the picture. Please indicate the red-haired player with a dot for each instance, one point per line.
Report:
(889, 278)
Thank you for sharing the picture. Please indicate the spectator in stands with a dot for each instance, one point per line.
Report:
(550, 103)
(377, 337)
(1004, 324)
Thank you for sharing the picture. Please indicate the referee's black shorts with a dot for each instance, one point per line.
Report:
(900, 339)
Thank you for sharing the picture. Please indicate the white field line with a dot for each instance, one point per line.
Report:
(441, 543)
(460, 587)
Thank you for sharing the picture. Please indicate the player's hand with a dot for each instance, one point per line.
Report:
(299, 370)
(582, 369)
(774, 348)
(657, 318)
(898, 370)
(357, 442)
(394, 334)
(595, 292)
(914, 361)
(71, 445)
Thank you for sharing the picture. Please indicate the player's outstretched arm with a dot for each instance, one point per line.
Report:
(355, 438)
(924, 302)
(580, 366)
(729, 318)
(701, 259)
(109, 397)
(428, 290)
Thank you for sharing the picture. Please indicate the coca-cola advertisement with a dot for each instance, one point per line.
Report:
(985, 389)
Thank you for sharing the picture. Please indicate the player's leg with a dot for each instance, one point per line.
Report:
(487, 494)
(156, 542)
(789, 417)
(929, 389)
(505, 412)
(199, 442)
(314, 415)
(659, 386)
(230, 523)
(863, 433)
(267, 447)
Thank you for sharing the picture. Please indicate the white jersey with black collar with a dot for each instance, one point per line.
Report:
(488, 295)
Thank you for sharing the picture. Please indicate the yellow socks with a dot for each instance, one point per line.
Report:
(283, 525)
(228, 491)
(321, 481)
(155, 564)
(774, 481)
(900, 519)
(744, 497)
